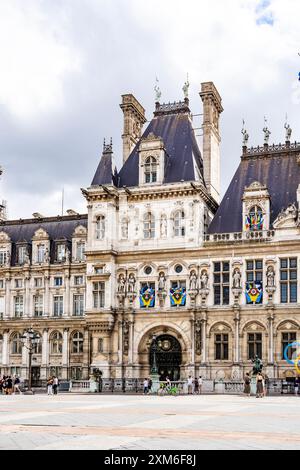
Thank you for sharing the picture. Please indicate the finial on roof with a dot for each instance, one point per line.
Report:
(245, 135)
(186, 87)
(266, 131)
(108, 148)
(288, 129)
(157, 91)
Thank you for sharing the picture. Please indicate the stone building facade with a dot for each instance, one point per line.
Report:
(157, 261)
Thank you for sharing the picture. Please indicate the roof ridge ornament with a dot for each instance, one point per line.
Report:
(266, 131)
(186, 87)
(288, 129)
(108, 148)
(157, 91)
(245, 135)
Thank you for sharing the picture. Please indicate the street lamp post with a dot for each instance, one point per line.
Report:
(154, 370)
(29, 339)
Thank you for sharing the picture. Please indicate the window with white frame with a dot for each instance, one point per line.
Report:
(288, 280)
(78, 280)
(100, 227)
(56, 343)
(61, 252)
(179, 224)
(3, 257)
(150, 170)
(78, 305)
(149, 226)
(18, 283)
(16, 344)
(98, 294)
(38, 282)
(77, 343)
(41, 253)
(80, 249)
(58, 305)
(38, 302)
(58, 281)
(21, 254)
(19, 306)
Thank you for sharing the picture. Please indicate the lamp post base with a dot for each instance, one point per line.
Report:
(29, 392)
(155, 383)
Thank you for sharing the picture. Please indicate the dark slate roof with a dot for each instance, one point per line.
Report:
(106, 172)
(58, 228)
(173, 124)
(275, 167)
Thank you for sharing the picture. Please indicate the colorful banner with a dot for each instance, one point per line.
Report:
(254, 292)
(147, 297)
(178, 296)
(254, 222)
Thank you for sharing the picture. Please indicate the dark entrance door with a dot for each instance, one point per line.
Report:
(168, 357)
(35, 376)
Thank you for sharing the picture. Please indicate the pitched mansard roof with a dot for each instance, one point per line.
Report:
(57, 228)
(172, 123)
(106, 171)
(276, 167)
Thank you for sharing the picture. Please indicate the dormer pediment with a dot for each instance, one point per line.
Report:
(4, 237)
(40, 234)
(80, 231)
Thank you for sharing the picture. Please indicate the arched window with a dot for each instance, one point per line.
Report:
(179, 224)
(100, 227)
(149, 225)
(37, 347)
(255, 219)
(150, 170)
(77, 343)
(16, 343)
(56, 343)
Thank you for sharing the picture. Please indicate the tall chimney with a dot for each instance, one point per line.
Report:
(134, 119)
(212, 109)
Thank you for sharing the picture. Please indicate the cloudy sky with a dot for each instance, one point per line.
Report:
(65, 63)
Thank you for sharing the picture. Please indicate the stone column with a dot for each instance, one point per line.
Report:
(65, 353)
(120, 342)
(204, 340)
(45, 354)
(47, 297)
(237, 338)
(67, 304)
(5, 352)
(192, 321)
(86, 353)
(271, 338)
(27, 311)
(131, 341)
(8, 313)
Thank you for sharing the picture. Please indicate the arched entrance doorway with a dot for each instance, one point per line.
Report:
(168, 357)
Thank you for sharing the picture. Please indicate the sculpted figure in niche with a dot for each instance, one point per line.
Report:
(204, 280)
(124, 229)
(122, 284)
(270, 277)
(47, 256)
(163, 226)
(236, 279)
(161, 282)
(193, 281)
(131, 284)
(8, 258)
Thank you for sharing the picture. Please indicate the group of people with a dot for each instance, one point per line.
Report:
(261, 385)
(52, 385)
(10, 385)
(195, 385)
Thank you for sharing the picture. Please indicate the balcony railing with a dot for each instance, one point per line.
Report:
(262, 235)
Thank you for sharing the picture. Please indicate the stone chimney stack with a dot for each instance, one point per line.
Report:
(134, 119)
(212, 109)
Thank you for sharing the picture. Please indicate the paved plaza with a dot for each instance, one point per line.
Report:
(149, 423)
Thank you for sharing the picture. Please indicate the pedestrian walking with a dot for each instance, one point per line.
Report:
(297, 386)
(55, 385)
(259, 386)
(168, 383)
(190, 385)
(9, 385)
(150, 383)
(200, 381)
(196, 386)
(50, 386)
(146, 386)
(17, 383)
(247, 385)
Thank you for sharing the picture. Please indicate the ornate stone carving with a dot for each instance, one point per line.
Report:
(126, 328)
(198, 337)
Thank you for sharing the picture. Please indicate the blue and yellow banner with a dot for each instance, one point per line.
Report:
(178, 296)
(254, 292)
(147, 297)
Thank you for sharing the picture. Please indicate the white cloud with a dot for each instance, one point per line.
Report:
(33, 59)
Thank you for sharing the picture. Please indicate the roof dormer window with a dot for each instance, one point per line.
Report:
(150, 170)
(255, 219)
